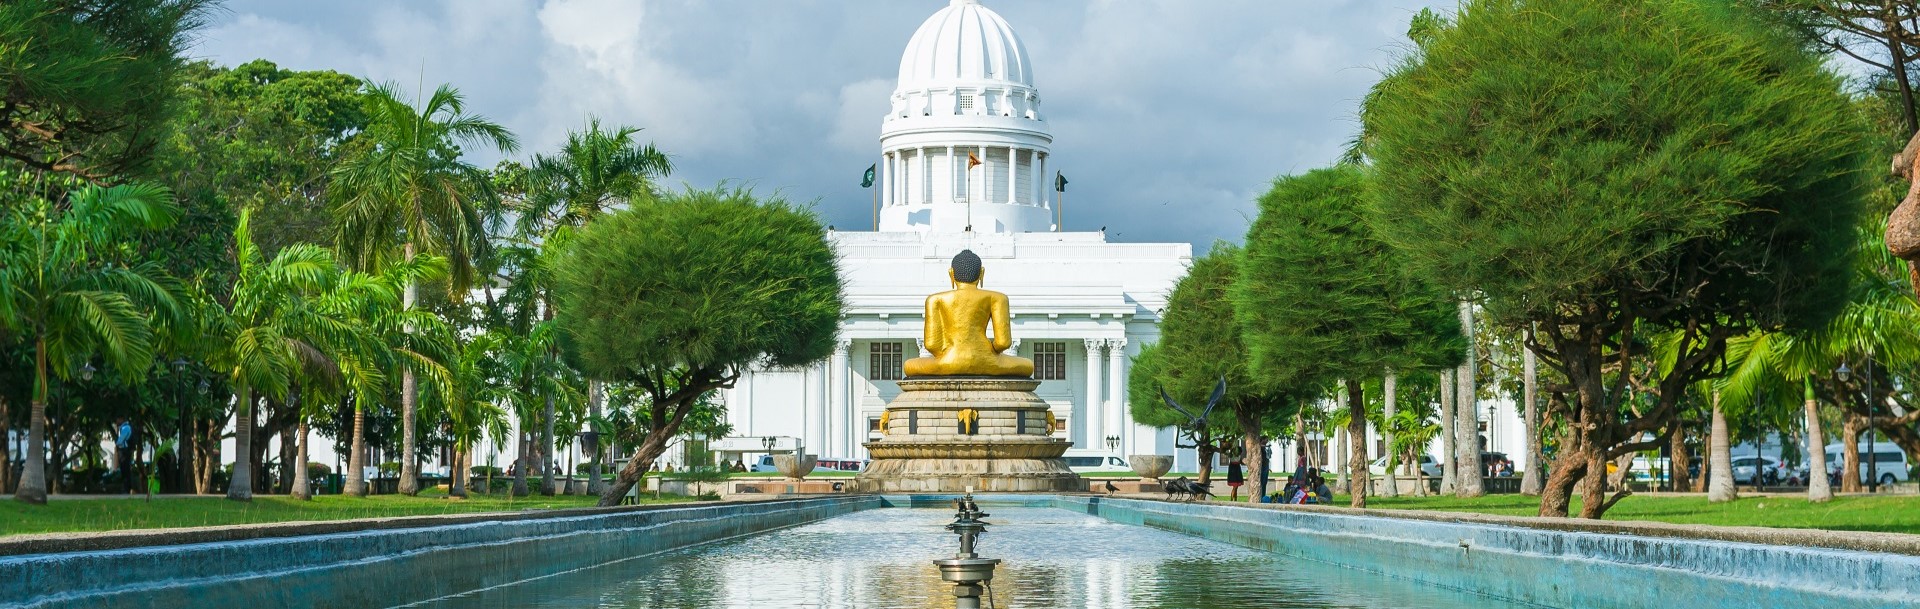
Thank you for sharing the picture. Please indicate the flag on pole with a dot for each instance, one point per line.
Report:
(1059, 182)
(972, 161)
(866, 181)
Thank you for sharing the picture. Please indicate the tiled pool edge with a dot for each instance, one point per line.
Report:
(385, 567)
(1545, 567)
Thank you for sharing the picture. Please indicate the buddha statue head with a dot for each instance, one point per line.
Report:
(966, 268)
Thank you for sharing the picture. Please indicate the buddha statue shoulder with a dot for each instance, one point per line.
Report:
(967, 328)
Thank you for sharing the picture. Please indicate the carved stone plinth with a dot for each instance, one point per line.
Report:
(944, 434)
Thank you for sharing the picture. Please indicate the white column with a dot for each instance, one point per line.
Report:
(1116, 390)
(812, 394)
(925, 191)
(953, 186)
(886, 179)
(839, 408)
(1013, 173)
(1041, 185)
(1094, 413)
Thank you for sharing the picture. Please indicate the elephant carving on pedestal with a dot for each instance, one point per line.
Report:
(1903, 225)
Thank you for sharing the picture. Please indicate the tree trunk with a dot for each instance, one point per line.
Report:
(208, 445)
(1389, 387)
(1530, 477)
(1720, 458)
(1467, 479)
(1205, 453)
(1252, 444)
(1419, 473)
(593, 422)
(1357, 439)
(409, 400)
(1448, 454)
(357, 461)
(546, 452)
(1593, 486)
(33, 477)
(1897, 52)
(523, 443)
(1850, 428)
(240, 485)
(302, 489)
(289, 453)
(1818, 488)
(457, 474)
(6, 449)
(659, 433)
(183, 450)
(1569, 468)
(1681, 460)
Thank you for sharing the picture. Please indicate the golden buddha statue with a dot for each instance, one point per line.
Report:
(957, 327)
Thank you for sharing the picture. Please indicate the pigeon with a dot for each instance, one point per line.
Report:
(1111, 489)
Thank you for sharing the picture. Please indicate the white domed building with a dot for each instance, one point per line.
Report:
(1082, 306)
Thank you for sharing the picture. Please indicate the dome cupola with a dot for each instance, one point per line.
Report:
(964, 145)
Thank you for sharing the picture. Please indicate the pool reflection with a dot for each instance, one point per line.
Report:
(881, 559)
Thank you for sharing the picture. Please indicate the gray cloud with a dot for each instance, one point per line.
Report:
(1169, 116)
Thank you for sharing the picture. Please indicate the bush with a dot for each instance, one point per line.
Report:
(485, 471)
(317, 470)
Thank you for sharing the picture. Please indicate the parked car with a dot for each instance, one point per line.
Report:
(1090, 464)
(1427, 465)
(1892, 463)
(1771, 472)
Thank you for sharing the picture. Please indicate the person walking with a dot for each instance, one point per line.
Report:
(1235, 478)
(123, 450)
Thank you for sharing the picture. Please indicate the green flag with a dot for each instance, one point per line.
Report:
(866, 181)
(1059, 182)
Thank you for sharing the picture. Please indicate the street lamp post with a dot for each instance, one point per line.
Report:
(1873, 461)
(1113, 442)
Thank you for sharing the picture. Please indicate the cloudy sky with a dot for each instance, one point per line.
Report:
(1169, 116)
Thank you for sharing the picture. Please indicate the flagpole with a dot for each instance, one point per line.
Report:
(876, 209)
(1060, 208)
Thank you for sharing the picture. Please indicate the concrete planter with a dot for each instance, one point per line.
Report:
(1150, 467)
(795, 467)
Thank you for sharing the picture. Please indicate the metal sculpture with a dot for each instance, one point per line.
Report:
(1195, 429)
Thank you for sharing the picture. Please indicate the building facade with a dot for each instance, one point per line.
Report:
(966, 164)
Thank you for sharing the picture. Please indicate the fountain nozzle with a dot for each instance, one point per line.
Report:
(966, 569)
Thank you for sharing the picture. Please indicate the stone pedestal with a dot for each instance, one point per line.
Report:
(927, 449)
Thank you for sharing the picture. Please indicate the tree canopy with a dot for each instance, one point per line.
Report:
(677, 295)
(1708, 198)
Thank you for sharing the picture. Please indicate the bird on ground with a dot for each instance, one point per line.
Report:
(1111, 489)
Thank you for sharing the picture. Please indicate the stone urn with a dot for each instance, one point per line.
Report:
(1150, 467)
(795, 467)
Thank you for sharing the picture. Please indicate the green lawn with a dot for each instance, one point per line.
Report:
(1883, 513)
(65, 515)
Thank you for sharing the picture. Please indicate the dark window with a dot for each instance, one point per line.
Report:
(883, 362)
(873, 424)
(1050, 361)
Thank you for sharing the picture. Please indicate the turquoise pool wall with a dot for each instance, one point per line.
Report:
(384, 568)
(1545, 567)
(394, 566)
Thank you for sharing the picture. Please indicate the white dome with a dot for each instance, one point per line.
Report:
(964, 146)
(964, 42)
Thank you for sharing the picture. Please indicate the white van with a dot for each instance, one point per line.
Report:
(1090, 464)
(1889, 460)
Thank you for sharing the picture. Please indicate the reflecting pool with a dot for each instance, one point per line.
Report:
(881, 559)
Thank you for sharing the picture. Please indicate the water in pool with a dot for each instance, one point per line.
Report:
(881, 559)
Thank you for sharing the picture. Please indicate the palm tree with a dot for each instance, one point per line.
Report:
(596, 170)
(1413, 431)
(409, 184)
(472, 407)
(272, 332)
(415, 341)
(62, 291)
